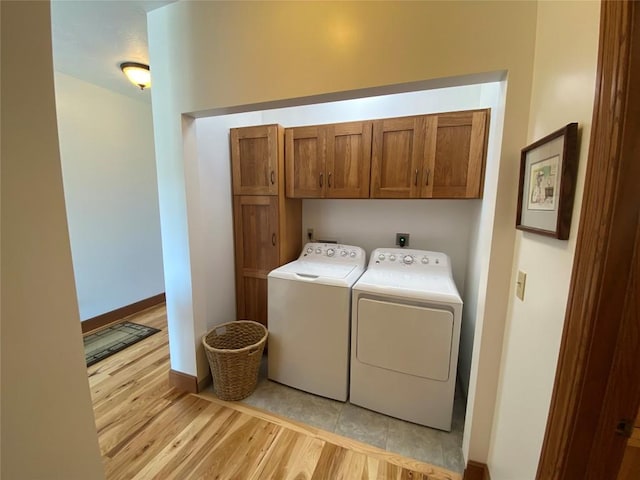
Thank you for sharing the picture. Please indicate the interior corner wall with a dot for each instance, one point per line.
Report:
(48, 428)
(199, 52)
(111, 193)
(210, 210)
(563, 92)
(479, 242)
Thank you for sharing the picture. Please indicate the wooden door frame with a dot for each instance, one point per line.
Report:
(602, 267)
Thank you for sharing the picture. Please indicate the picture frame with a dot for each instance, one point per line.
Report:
(548, 171)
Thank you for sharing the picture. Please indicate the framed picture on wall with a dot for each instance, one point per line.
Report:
(548, 170)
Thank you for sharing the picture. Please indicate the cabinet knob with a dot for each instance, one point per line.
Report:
(321, 182)
(273, 239)
(273, 177)
(329, 180)
(415, 183)
(427, 175)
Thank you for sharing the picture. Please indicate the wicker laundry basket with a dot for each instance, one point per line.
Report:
(234, 351)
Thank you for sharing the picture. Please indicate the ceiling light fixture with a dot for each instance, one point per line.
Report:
(137, 73)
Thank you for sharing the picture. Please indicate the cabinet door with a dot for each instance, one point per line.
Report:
(454, 155)
(256, 245)
(254, 154)
(304, 162)
(397, 157)
(348, 161)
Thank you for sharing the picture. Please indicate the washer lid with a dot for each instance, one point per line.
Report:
(319, 272)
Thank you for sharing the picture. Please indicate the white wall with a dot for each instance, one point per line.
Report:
(221, 57)
(393, 105)
(48, 429)
(437, 225)
(563, 92)
(110, 185)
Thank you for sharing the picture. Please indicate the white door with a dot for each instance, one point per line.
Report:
(409, 339)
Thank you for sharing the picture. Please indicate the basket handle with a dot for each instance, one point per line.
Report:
(250, 354)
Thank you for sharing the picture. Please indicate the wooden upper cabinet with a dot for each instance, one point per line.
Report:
(304, 162)
(423, 156)
(455, 151)
(397, 157)
(328, 161)
(254, 160)
(348, 160)
(430, 156)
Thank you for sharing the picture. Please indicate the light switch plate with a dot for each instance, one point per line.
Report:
(522, 280)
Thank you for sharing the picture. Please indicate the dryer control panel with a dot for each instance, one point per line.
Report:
(335, 251)
(408, 258)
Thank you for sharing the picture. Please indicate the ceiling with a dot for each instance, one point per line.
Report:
(92, 38)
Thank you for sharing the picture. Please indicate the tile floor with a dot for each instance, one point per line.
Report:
(397, 436)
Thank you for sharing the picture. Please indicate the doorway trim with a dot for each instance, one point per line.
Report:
(579, 423)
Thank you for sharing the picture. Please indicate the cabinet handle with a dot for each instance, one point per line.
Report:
(273, 177)
(329, 179)
(415, 183)
(428, 172)
(321, 175)
(273, 239)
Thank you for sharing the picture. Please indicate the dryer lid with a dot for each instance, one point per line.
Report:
(420, 286)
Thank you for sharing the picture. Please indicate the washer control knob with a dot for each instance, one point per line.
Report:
(318, 250)
(331, 252)
(344, 253)
(352, 254)
(392, 258)
(425, 260)
(407, 259)
(381, 256)
(309, 250)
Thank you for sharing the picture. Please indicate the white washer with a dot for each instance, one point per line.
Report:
(406, 314)
(309, 310)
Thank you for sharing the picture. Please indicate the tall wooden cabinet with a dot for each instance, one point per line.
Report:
(329, 161)
(267, 225)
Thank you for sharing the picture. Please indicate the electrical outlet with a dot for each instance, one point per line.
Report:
(402, 239)
(522, 280)
(310, 234)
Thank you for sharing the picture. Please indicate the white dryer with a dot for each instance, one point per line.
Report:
(406, 314)
(309, 311)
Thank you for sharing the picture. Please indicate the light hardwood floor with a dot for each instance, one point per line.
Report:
(148, 430)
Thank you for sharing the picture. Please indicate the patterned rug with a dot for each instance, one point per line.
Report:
(106, 342)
